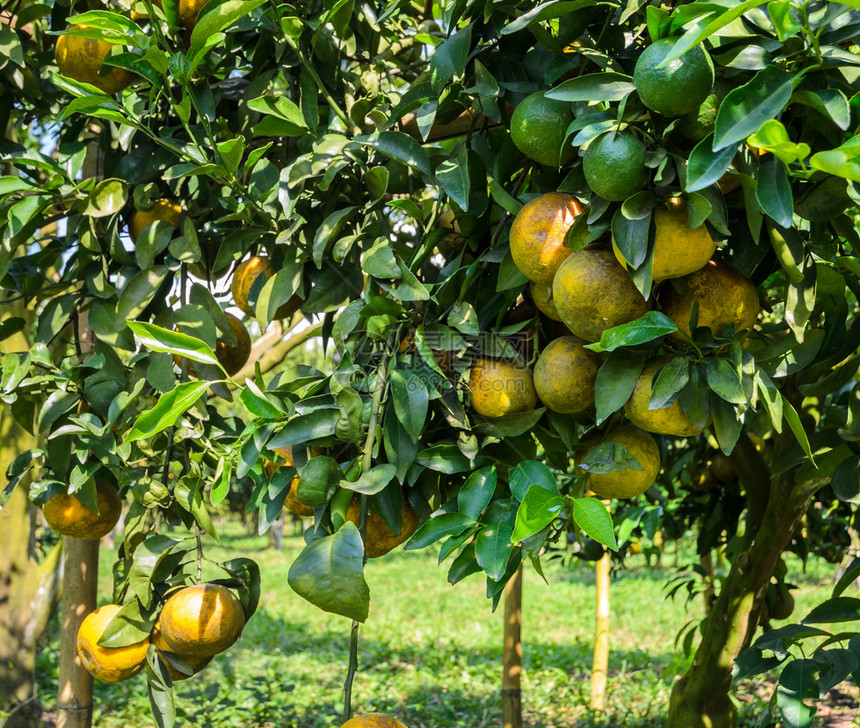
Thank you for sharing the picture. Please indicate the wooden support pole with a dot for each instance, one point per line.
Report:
(80, 589)
(512, 653)
(600, 662)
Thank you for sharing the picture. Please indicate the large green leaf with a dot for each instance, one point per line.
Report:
(594, 519)
(168, 409)
(652, 325)
(493, 549)
(537, 510)
(329, 573)
(173, 342)
(477, 492)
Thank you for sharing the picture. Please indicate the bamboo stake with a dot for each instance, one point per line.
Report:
(80, 579)
(512, 653)
(80, 564)
(600, 662)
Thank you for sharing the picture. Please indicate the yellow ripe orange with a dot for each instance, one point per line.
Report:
(670, 420)
(678, 248)
(380, 538)
(248, 280)
(565, 375)
(542, 297)
(292, 502)
(501, 387)
(169, 211)
(196, 663)
(724, 297)
(66, 515)
(110, 664)
(233, 358)
(626, 483)
(374, 720)
(592, 293)
(537, 235)
(81, 59)
(202, 620)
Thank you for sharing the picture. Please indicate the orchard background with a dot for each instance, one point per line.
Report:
(379, 157)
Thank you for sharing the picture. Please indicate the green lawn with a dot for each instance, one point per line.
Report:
(429, 653)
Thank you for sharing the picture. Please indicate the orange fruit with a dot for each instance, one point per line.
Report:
(66, 515)
(380, 538)
(233, 358)
(537, 235)
(592, 293)
(248, 280)
(292, 502)
(542, 297)
(678, 87)
(669, 420)
(373, 720)
(501, 387)
(627, 483)
(202, 620)
(81, 59)
(169, 211)
(724, 297)
(565, 375)
(196, 663)
(538, 128)
(678, 248)
(110, 664)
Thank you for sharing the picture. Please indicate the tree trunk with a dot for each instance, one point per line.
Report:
(600, 662)
(512, 653)
(700, 699)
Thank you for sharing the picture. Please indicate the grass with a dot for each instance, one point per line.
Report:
(430, 653)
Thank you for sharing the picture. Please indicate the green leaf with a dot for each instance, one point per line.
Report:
(329, 573)
(291, 122)
(173, 342)
(608, 457)
(616, 380)
(453, 176)
(529, 473)
(379, 260)
(449, 59)
(477, 492)
(400, 146)
(838, 609)
(594, 519)
(727, 424)
(538, 509)
(168, 409)
(545, 11)
(214, 19)
(139, 292)
(631, 236)
(843, 161)
(743, 111)
(796, 684)
(303, 428)
(603, 86)
(108, 197)
(773, 192)
(127, 627)
(705, 166)
(411, 401)
(796, 426)
(773, 137)
(652, 325)
(372, 481)
(493, 549)
(724, 380)
(320, 480)
(439, 526)
(671, 380)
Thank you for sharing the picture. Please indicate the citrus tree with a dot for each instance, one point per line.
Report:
(551, 250)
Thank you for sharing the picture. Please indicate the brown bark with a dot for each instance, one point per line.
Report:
(600, 661)
(512, 653)
(700, 698)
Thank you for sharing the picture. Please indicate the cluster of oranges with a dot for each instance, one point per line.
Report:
(195, 624)
(591, 290)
